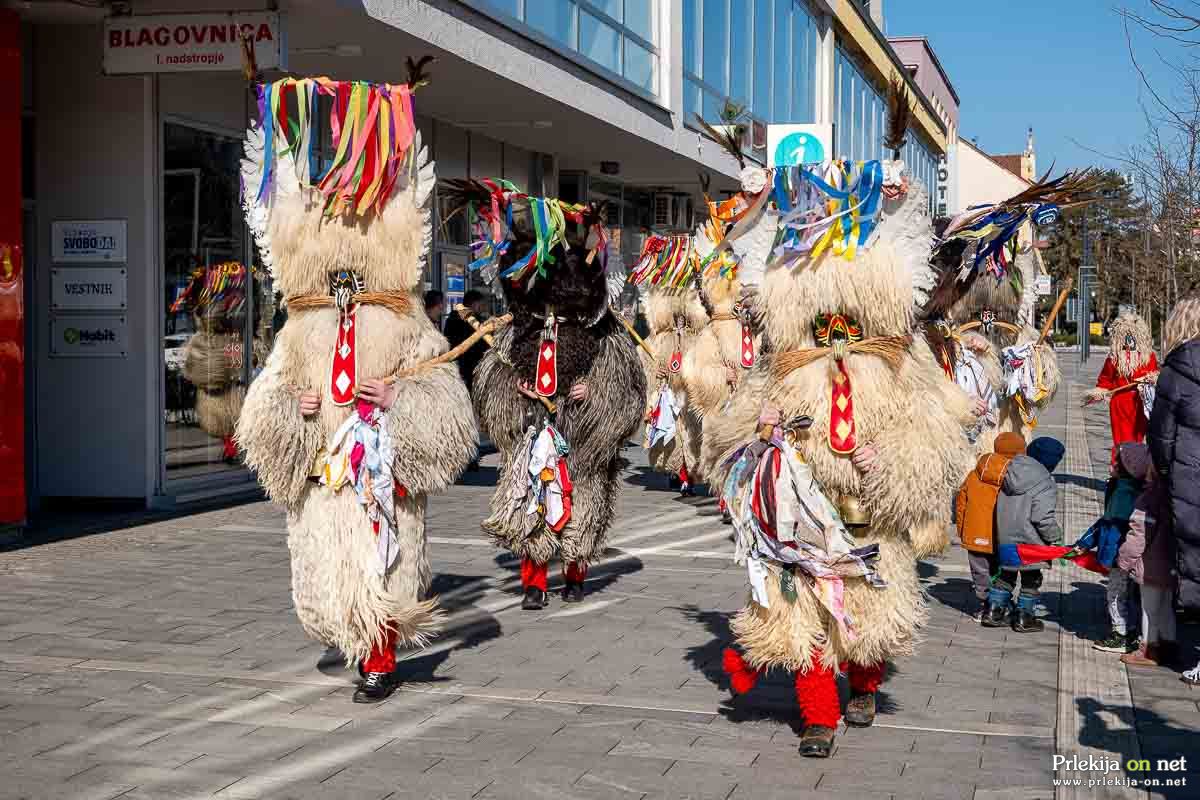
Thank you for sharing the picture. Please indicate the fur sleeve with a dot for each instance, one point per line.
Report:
(649, 368)
(280, 445)
(504, 413)
(922, 459)
(432, 424)
(736, 423)
(704, 372)
(597, 427)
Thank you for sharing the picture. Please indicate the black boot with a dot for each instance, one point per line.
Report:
(994, 616)
(816, 741)
(573, 593)
(375, 687)
(1025, 621)
(860, 711)
(535, 599)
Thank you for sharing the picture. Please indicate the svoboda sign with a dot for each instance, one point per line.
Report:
(191, 42)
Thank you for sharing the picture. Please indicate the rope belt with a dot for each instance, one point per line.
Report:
(399, 302)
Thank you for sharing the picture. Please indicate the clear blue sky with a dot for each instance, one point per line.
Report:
(1061, 66)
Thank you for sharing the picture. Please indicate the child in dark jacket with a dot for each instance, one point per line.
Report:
(1107, 536)
(1025, 514)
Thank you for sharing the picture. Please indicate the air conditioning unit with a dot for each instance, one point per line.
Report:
(673, 211)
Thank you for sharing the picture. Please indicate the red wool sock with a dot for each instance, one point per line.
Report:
(742, 677)
(533, 574)
(575, 572)
(817, 695)
(866, 679)
(383, 654)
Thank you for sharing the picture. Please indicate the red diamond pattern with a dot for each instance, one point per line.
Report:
(747, 347)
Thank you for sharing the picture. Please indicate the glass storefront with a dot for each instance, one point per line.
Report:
(220, 313)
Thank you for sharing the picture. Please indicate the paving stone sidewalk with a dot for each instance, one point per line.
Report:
(163, 660)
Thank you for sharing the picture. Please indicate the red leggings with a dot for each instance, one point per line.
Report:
(534, 574)
(383, 654)
(817, 694)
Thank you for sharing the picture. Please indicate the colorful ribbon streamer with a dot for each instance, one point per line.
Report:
(372, 130)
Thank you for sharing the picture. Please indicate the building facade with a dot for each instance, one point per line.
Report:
(130, 141)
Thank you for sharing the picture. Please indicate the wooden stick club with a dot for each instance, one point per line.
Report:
(641, 342)
(479, 327)
(1062, 298)
(482, 331)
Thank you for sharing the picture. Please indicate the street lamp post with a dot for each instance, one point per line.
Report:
(1084, 330)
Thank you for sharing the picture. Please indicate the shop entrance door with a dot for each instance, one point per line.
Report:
(218, 309)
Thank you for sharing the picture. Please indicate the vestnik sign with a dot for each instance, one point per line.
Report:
(191, 42)
(88, 288)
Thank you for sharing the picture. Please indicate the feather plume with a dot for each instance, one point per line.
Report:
(417, 76)
(898, 114)
(733, 120)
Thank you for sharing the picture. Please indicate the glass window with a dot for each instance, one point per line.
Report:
(610, 7)
(510, 7)
(220, 314)
(639, 18)
(554, 18)
(716, 44)
(781, 106)
(691, 36)
(740, 64)
(803, 65)
(600, 42)
(763, 30)
(639, 65)
(692, 102)
(600, 30)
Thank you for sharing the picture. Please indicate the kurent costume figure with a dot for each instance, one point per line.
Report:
(350, 426)
(727, 347)
(980, 318)
(1127, 379)
(665, 272)
(839, 452)
(561, 390)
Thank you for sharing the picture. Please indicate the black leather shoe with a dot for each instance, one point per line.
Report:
(860, 711)
(1026, 622)
(375, 687)
(816, 741)
(573, 593)
(535, 599)
(994, 617)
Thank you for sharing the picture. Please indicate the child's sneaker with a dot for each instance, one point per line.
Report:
(1117, 643)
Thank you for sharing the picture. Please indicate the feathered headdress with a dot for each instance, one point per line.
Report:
(984, 238)
(509, 221)
(377, 148)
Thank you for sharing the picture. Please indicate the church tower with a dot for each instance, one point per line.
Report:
(1029, 159)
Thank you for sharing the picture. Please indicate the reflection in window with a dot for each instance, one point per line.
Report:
(555, 18)
(621, 36)
(599, 42)
(757, 53)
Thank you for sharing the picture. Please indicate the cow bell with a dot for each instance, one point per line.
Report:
(853, 514)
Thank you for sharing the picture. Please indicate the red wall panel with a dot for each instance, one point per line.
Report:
(12, 312)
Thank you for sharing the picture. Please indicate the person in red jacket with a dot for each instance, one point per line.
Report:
(1127, 380)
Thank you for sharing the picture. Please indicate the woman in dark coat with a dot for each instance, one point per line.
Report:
(1174, 439)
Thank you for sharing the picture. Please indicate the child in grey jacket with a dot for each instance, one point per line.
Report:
(1025, 514)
